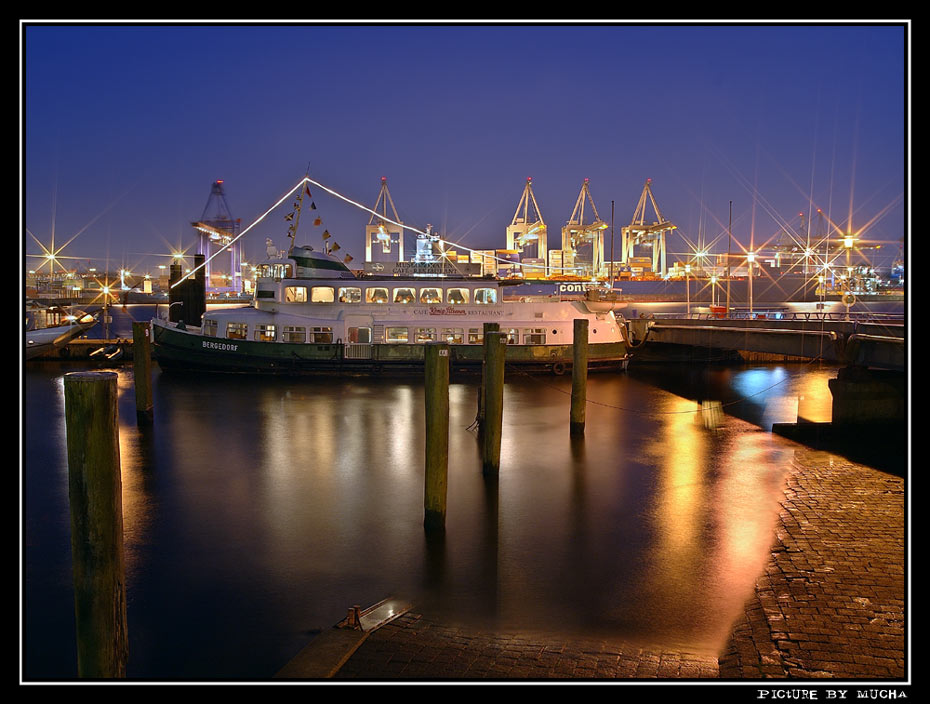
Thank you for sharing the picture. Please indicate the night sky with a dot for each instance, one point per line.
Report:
(125, 128)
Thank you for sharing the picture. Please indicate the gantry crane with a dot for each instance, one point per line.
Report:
(639, 233)
(526, 233)
(577, 234)
(380, 230)
(219, 230)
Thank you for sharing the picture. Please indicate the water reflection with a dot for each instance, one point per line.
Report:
(258, 510)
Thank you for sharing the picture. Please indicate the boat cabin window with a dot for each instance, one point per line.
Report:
(360, 335)
(209, 328)
(350, 294)
(295, 294)
(293, 333)
(454, 336)
(265, 333)
(534, 336)
(431, 295)
(475, 336)
(404, 295)
(485, 296)
(424, 335)
(322, 294)
(264, 293)
(457, 296)
(321, 335)
(276, 271)
(376, 294)
(513, 336)
(396, 335)
(237, 331)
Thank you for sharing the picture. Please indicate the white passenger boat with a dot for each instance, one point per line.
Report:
(311, 314)
(50, 328)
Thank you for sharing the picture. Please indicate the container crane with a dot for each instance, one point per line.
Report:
(527, 230)
(639, 233)
(577, 234)
(380, 230)
(217, 228)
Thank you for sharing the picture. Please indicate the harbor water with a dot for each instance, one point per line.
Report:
(258, 510)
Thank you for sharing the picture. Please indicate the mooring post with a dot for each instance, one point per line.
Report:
(495, 349)
(142, 370)
(437, 435)
(579, 376)
(94, 493)
(488, 327)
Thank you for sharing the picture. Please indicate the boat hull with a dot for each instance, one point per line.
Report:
(189, 350)
(45, 341)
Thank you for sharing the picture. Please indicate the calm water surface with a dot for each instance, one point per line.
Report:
(257, 511)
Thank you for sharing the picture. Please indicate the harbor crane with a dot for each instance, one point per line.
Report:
(380, 230)
(639, 233)
(576, 234)
(217, 229)
(527, 230)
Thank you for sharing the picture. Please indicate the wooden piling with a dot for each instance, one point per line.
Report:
(94, 492)
(579, 376)
(494, 353)
(488, 327)
(142, 370)
(437, 435)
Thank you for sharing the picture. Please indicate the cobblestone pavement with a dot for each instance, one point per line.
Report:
(829, 606)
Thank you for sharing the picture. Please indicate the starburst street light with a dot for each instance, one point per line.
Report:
(51, 255)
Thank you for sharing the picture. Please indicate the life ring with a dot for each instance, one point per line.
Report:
(558, 368)
(849, 299)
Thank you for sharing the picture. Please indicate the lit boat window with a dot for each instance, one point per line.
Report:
(454, 336)
(237, 331)
(265, 333)
(294, 334)
(321, 335)
(513, 336)
(275, 271)
(322, 294)
(430, 295)
(485, 296)
(295, 294)
(425, 335)
(457, 296)
(209, 328)
(396, 335)
(475, 336)
(376, 295)
(404, 295)
(350, 294)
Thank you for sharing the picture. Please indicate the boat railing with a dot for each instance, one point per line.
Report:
(858, 316)
(358, 350)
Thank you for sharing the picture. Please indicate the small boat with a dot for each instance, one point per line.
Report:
(107, 354)
(311, 314)
(50, 328)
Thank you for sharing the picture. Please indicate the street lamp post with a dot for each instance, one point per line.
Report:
(750, 258)
(688, 287)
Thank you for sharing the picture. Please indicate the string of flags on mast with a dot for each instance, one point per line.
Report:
(294, 218)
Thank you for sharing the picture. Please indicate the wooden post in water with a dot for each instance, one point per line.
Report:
(495, 349)
(579, 376)
(142, 370)
(437, 435)
(488, 327)
(94, 492)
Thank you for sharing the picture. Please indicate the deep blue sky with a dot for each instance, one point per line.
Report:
(126, 127)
